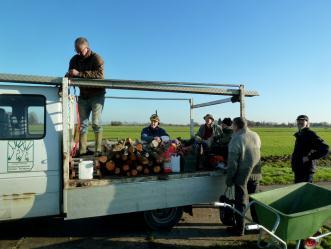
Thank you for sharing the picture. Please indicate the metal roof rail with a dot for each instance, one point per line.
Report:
(160, 86)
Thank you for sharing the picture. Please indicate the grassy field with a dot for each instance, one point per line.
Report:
(277, 145)
(280, 141)
(275, 141)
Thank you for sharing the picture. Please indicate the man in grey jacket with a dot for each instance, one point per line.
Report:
(244, 154)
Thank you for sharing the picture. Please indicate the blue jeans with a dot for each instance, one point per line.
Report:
(85, 106)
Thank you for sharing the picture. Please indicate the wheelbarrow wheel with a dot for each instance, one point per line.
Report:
(310, 243)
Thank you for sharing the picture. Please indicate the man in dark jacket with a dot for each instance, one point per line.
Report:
(222, 141)
(89, 65)
(308, 148)
(153, 132)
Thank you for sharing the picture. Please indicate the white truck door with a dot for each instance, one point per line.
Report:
(30, 148)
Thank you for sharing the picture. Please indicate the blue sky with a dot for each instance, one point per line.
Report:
(281, 48)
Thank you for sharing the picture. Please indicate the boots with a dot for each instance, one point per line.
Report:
(98, 141)
(82, 143)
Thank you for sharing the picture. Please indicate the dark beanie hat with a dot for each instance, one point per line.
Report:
(303, 117)
(227, 121)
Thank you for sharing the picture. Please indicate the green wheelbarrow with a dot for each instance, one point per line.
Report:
(295, 212)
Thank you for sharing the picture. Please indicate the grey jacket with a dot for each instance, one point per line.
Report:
(244, 154)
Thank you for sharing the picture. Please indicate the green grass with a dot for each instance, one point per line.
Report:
(134, 132)
(275, 142)
(280, 141)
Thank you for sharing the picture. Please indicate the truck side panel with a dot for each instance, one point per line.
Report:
(141, 196)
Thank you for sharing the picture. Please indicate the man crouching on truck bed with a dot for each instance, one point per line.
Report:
(153, 132)
(89, 65)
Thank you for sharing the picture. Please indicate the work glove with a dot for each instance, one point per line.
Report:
(198, 139)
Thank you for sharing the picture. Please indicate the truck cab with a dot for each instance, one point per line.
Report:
(31, 164)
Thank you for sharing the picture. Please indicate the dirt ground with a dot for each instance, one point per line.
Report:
(201, 230)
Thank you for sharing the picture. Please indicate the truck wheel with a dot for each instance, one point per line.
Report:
(161, 219)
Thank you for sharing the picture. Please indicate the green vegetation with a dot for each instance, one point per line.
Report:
(113, 132)
(280, 141)
(277, 146)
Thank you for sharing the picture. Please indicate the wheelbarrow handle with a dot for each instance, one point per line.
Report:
(223, 204)
(270, 209)
(320, 236)
(257, 226)
(243, 214)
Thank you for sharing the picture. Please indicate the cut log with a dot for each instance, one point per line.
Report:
(156, 169)
(139, 168)
(117, 171)
(134, 172)
(139, 147)
(124, 157)
(110, 165)
(131, 149)
(125, 167)
(103, 159)
(146, 171)
(133, 157)
(144, 161)
(97, 164)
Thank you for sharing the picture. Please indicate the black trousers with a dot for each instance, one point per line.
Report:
(302, 176)
(252, 187)
(240, 204)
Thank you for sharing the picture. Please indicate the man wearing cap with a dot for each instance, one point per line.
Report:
(209, 128)
(308, 148)
(153, 132)
(205, 137)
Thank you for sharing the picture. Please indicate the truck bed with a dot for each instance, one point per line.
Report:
(89, 198)
(107, 180)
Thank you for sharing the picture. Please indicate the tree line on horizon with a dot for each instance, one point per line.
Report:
(250, 123)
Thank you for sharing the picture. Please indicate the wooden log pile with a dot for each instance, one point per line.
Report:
(128, 158)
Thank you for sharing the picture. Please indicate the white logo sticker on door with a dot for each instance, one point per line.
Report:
(20, 155)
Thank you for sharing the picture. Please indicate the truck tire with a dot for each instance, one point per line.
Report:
(162, 219)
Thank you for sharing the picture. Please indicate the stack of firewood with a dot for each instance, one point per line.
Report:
(126, 158)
